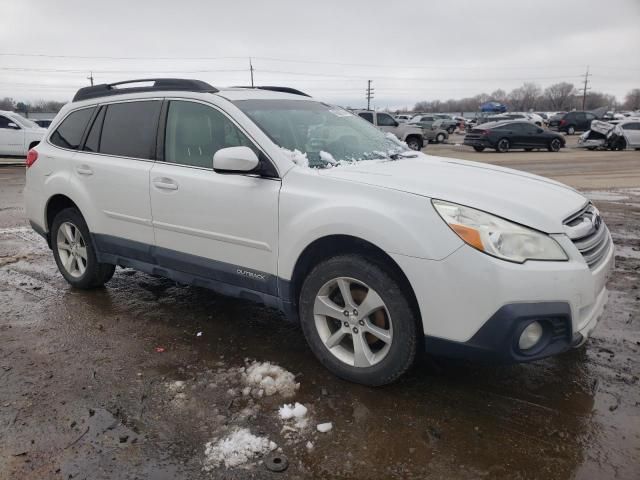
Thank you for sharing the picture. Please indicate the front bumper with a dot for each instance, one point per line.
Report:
(475, 306)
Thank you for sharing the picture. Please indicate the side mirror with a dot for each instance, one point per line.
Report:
(540, 130)
(13, 125)
(235, 159)
(395, 124)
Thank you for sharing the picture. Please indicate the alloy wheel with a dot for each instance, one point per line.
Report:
(353, 322)
(72, 249)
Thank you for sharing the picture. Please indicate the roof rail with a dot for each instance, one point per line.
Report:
(293, 91)
(159, 84)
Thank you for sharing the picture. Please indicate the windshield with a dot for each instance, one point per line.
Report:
(325, 134)
(25, 122)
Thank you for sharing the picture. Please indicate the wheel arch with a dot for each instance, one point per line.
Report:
(339, 244)
(55, 205)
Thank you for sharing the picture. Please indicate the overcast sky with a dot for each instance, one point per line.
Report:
(412, 50)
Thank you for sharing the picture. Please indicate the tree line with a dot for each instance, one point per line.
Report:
(48, 106)
(561, 96)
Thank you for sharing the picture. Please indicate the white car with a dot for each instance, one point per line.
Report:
(378, 251)
(18, 134)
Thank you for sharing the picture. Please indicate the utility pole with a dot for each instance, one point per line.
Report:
(584, 90)
(369, 94)
(90, 78)
(251, 70)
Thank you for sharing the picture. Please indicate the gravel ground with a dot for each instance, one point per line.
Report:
(133, 380)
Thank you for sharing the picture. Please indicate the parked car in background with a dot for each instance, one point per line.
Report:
(376, 260)
(572, 122)
(544, 117)
(433, 129)
(412, 135)
(403, 117)
(511, 134)
(448, 122)
(613, 135)
(18, 134)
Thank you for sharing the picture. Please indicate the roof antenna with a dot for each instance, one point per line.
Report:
(251, 70)
(90, 78)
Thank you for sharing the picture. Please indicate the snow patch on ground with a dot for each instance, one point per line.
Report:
(296, 412)
(605, 196)
(270, 378)
(324, 427)
(238, 448)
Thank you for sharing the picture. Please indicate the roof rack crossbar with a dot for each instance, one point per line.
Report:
(293, 91)
(159, 84)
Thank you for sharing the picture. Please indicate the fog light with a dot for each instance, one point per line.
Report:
(530, 336)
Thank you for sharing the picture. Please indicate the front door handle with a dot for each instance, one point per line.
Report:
(84, 170)
(165, 183)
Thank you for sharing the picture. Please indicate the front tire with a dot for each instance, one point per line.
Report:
(414, 143)
(440, 138)
(74, 252)
(503, 145)
(358, 321)
(554, 145)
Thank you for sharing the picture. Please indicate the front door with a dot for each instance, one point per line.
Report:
(219, 226)
(11, 137)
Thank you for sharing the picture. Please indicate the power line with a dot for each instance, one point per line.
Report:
(303, 61)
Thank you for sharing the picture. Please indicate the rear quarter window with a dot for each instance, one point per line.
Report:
(69, 133)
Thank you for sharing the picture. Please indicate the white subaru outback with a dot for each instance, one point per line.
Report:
(266, 194)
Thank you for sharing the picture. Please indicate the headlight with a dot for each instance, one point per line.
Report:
(498, 237)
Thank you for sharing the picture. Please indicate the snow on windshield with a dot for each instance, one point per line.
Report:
(317, 135)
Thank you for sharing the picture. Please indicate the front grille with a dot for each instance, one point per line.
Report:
(589, 234)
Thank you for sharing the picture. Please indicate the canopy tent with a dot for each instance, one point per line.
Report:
(493, 107)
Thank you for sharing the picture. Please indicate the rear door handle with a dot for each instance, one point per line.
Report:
(84, 170)
(165, 184)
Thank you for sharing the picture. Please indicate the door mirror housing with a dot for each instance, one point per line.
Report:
(235, 159)
(540, 130)
(13, 126)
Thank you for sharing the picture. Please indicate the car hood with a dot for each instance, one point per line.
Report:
(522, 197)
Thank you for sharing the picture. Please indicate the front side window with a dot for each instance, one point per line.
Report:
(69, 132)
(4, 122)
(326, 134)
(385, 120)
(129, 129)
(195, 132)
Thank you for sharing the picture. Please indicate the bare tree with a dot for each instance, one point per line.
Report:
(632, 100)
(7, 103)
(559, 95)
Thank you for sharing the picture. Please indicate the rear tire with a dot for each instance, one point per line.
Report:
(554, 145)
(571, 130)
(74, 252)
(503, 145)
(479, 149)
(338, 340)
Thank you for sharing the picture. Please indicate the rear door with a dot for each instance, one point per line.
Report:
(588, 118)
(11, 137)
(632, 133)
(218, 226)
(112, 172)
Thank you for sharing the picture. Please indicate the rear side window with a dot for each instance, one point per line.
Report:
(129, 129)
(631, 126)
(69, 133)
